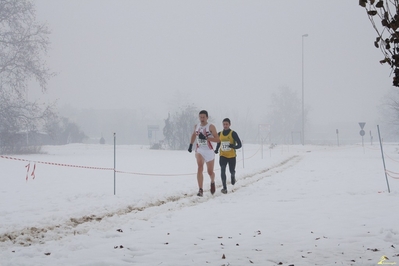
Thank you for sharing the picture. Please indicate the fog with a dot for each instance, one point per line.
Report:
(227, 57)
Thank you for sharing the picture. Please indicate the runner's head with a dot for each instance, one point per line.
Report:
(203, 116)
(226, 123)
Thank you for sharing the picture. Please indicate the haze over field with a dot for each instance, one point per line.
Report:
(227, 57)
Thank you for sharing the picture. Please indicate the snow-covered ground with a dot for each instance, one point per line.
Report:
(291, 205)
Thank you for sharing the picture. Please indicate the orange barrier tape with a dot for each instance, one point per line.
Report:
(93, 167)
(135, 173)
(386, 155)
(389, 173)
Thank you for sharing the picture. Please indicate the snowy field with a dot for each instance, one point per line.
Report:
(291, 205)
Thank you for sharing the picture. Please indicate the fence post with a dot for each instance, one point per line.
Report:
(383, 160)
(242, 153)
(114, 163)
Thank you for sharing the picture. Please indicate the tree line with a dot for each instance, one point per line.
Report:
(24, 44)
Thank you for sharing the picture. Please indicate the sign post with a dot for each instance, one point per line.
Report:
(371, 139)
(263, 132)
(150, 129)
(362, 132)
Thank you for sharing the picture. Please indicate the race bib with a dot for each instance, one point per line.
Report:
(202, 142)
(224, 146)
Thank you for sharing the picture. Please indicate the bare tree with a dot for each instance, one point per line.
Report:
(389, 115)
(23, 44)
(179, 127)
(285, 115)
(62, 131)
(384, 17)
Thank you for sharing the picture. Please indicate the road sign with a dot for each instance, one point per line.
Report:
(153, 127)
(362, 132)
(361, 124)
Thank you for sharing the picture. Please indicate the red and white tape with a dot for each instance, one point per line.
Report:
(57, 164)
(49, 163)
(79, 166)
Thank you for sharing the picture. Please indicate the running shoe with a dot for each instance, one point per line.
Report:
(233, 180)
(200, 192)
(213, 188)
(224, 190)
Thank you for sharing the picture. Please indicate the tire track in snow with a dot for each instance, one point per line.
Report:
(34, 235)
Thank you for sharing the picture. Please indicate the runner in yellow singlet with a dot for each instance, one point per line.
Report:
(229, 143)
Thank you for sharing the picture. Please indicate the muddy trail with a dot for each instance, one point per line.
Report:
(37, 235)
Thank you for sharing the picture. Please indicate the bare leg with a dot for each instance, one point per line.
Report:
(209, 166)
(200, 176)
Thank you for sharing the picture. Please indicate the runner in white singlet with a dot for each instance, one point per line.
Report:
(204, 133)
(204, 146)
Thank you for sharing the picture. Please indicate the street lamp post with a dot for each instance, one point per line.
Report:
(303, 93)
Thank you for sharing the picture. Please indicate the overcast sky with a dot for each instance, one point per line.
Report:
(224, 56)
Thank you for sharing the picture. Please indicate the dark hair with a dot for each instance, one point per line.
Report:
(227, 120)
(204, 112)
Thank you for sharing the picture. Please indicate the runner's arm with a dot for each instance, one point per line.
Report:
(237, 140)
(193, 136)
(218, 144)
(214, 133)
